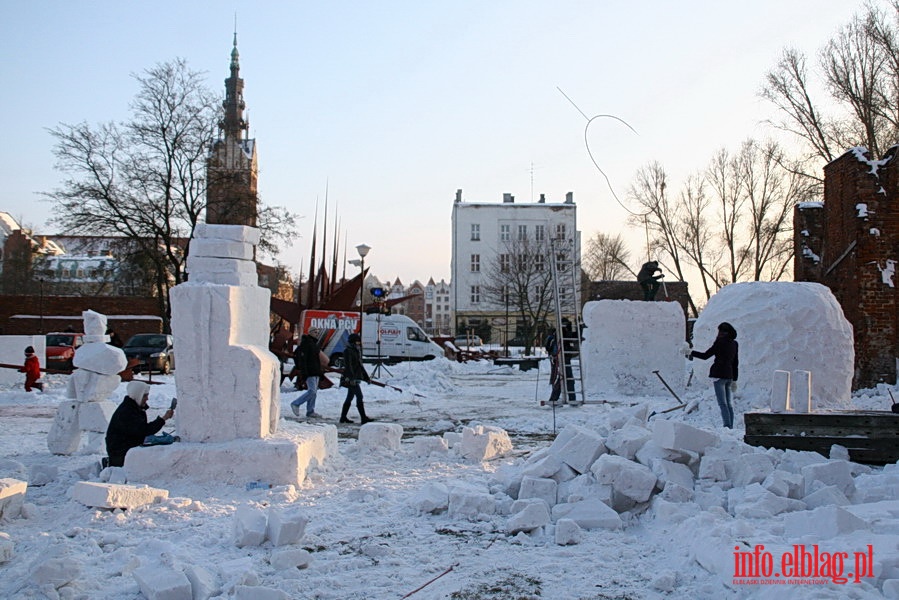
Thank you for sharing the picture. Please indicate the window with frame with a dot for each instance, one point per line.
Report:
(539, 232)
(475, 232)
(475, 263)
(522, 232)
(504, 263)
(539, 262)
(475, 294)
(505, 233)
(560, 231)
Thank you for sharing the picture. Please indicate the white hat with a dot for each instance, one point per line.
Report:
(136, 390)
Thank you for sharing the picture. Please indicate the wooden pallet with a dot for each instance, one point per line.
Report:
(871, 436)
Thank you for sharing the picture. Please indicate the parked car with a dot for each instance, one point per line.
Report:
(463, 341)
(153, 350)
(61, 348)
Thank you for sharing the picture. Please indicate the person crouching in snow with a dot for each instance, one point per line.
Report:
(724, 369)
(128, 427)
(32, 370)
(353, 374)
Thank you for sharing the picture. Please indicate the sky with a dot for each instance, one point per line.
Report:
(390, 107)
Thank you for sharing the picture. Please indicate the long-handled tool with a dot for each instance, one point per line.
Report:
(673, 393)
(659, 375)
(51, 371)
(380, 384)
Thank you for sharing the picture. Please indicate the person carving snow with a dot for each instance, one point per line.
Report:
(128, 426)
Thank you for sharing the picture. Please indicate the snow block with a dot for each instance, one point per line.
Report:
(116, 495)
(41, 474)
(100, 358)
(588, 514)
(821, 523)
(380, 436)
(87, 386)
(780, 391)
(7, 548)
(758, 503)
(626, 477)
(12, 496)
(537, 487)
(290, 558)
(750, 468)
(484, 442)
(829, 495)
(563, 437)
(651, 451)
(568, 532)
(64, 436)
(231, 233)
(800, 392)
(533, 516)
(582, 450)
(285, 526)
(218, 248)
(279, 460)
(427, 445)
(95, 443)
(469, 502)
(674, 492)
(547, 466)
(833, 472)
(95, 416)
(256, 592)
(432, 498)
(627, 440)
(675, 435)
(203, 584)
(669, 472)
(55, 572)
(784, 483)
(162, 583)
(249, 526)
(452, 438)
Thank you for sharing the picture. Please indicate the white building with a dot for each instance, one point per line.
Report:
(489, 238)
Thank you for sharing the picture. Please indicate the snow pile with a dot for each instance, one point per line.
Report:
(625, 341)
(787, 327)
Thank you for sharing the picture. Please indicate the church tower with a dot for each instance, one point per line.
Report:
(232, 170)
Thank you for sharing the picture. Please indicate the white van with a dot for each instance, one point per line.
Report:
(400, 337)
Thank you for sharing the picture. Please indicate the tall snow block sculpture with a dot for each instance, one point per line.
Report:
(227, 380)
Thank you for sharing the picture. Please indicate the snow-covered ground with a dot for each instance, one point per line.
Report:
(371, 531)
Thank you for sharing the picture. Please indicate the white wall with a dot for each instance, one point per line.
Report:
(12, 351)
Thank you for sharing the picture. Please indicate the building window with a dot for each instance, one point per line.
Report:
(475, 263)
(522, 232)
(539, 262)
(475, 294)
(560, 231)
(475, 232)
(505, 233)
(539, 232)
(522, 262)
(504, 263)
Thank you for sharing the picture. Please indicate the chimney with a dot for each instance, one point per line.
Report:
(459, 195)
(569, 198)
(508, 198)
(542, 199)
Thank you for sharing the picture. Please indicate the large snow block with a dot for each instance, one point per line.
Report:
(280, 460)
(833, 472)
(285, 526)
(218, 248)
(64, 436)
(810, 334)
(536, 487)
(432, 498)
(290, 558)
(162, 583)
(821, 524)
(628, 478)
(100, 358)
(534, 516)
(380, 436)
(582, 449)
(227, 380)
(87, 386)
(12, 496)
(484, 442)
(588, 514)
(675, 435)
(95, 416)
(627, 440)
(427, 445)
(780, 391)
(801, 392)
(115, 495)
(232, 233)
(626, 341)
(248, 527)
(470, 502)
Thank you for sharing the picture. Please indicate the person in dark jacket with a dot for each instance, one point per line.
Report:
(128, 426)
(306, 358)
(32, 370)
(724, 370)
(353, 374)
(648, 280)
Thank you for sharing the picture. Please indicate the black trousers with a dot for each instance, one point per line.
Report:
(351, 391)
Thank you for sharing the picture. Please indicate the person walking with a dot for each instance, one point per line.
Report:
(353, 374)
(32, 370)
(309, 363)
(724, 370)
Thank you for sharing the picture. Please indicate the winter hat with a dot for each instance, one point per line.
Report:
(728, 329)
(29, 350)
(354, 337)
(315, 332)
(136, 390)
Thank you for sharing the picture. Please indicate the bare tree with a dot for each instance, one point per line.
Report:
(696, 236)
(606, 257)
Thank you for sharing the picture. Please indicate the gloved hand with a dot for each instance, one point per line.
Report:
(686, 350)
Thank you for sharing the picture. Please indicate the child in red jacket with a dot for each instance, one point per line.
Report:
(32, 370)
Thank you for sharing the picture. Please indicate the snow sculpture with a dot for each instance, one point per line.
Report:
(227, 380)
(785, 326)
(95, 378)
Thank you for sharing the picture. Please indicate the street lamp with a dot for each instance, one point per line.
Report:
(362, 249)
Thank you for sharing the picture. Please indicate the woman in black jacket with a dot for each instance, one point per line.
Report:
(128, 426)
(353, 374)
(724, 369)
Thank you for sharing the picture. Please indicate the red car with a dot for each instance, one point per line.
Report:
(61, 348)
